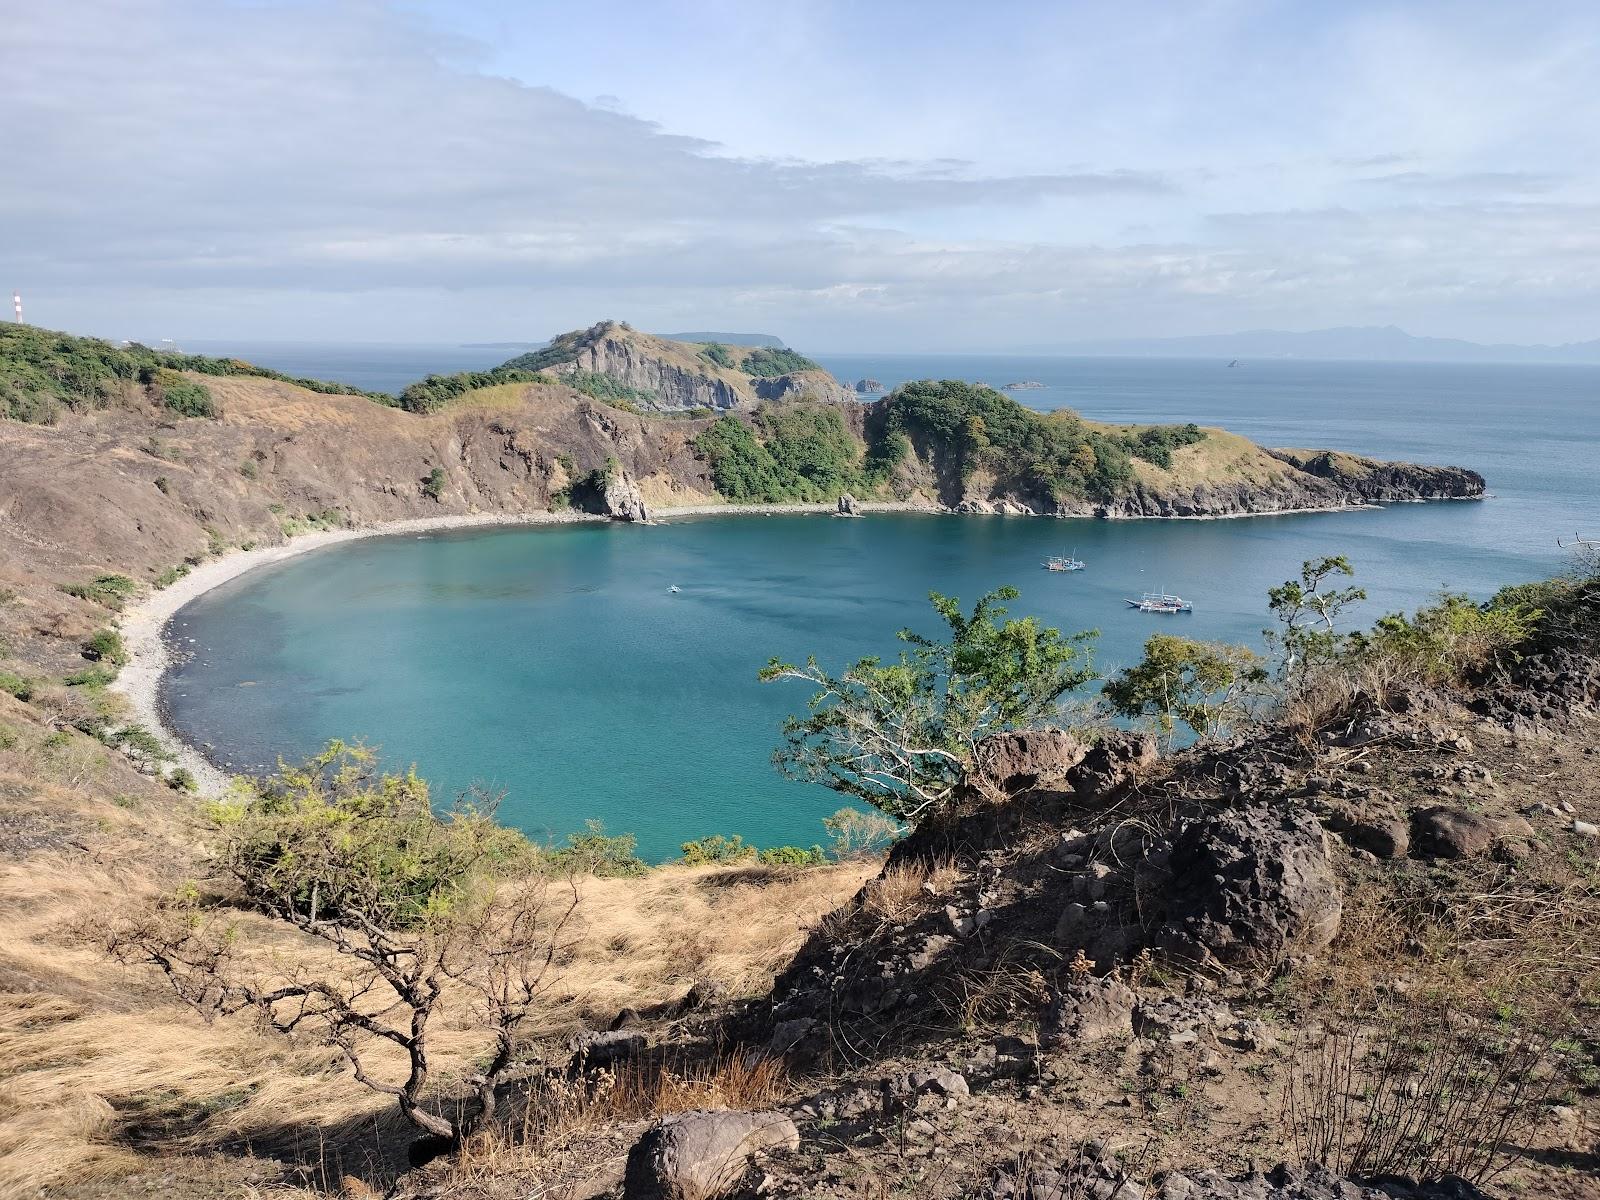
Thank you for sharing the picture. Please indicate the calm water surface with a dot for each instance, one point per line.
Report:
(554, 662)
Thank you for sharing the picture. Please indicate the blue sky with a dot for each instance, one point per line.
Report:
(847, 175)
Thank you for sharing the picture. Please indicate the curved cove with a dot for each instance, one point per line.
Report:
(556, 664)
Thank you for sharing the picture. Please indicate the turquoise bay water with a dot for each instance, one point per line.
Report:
(554, 662)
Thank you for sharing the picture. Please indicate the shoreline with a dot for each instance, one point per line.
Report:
(144, 625)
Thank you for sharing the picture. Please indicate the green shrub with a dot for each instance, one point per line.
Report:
(433, 485)
(793, 856)
(717, 849)
(596, 853)
(181, 779)
(91, 678)
(1210, 687)
(112, 591)
(803, 454)
(718, 353)
(609, 391)
(16, 685)
(1156, 444)
(768, 362)
(141, 743)
(1448, 641)
(184, 396)
(171, 575)
(106, 646)
(435, 392)
(248, 469)
(163, 485)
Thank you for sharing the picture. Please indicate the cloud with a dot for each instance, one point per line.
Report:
(1498, 183)
(333, 168)
(174, 141)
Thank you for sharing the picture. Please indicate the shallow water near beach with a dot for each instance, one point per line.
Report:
(555, 663)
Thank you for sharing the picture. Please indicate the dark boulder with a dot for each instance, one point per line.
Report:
(1022, 760)
(1112, 764)
(1246, 887)
(1443, 832)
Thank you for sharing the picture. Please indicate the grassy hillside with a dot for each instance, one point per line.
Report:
(43, 373)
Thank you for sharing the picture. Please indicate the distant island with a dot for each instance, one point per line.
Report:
(1370, 343)
(1025, 385)
(868, 386)
(728, 339)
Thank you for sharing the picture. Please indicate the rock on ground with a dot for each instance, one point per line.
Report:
(1247, 887)
(702, 1153)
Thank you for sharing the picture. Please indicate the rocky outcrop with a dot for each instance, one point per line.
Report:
(849, 506)
(621, 499)
(703, 1153)
(1024, 760)
(1384, 482)
(1246, 888)
(868, 387)
(1092, 1171)
(676, 376)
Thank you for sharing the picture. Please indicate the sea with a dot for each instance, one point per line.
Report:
(557, 667)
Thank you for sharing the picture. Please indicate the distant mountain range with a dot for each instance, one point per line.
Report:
(1372, 342)
(728, 339)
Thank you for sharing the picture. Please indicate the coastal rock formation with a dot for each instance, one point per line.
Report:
(669, 376)
(621, 499)
(868, 386)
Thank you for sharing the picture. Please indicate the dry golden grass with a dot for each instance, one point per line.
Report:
(906, 888)
(102, 1051)
(644, 941)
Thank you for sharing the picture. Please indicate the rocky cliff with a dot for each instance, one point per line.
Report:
(674, 376)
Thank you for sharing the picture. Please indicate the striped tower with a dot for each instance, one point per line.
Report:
(16, 304)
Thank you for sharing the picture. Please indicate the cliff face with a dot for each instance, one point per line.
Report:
(679, 376)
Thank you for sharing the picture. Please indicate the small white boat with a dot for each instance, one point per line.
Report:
(1062, 562)
(674, 589)
(1161, 602)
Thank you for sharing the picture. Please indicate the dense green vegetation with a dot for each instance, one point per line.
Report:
(718, 353)
(795, 453)
(43, 372)
(608, 391)
(970, 428)
(437, 391)
(767, 362)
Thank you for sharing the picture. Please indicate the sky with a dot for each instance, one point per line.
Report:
(908, 176)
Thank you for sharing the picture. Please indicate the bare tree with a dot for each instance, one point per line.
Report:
(411, 909)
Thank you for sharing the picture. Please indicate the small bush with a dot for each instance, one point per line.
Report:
(112, 591)
(433, 485)
(179, 395)
(141, 743)
(718, 353)
(163, 485)
(793, 856)
(91, 678)
(181, 779)
(717, 849)
(106, 646)
(594, 852)
(171, 575)
(248, 469)
(16, 685)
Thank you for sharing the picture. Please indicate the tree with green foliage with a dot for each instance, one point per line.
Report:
(902, 735)
(411, 911)
(1447, 641)
(716, 352)
(1210, 687)
(1308, 610)
(595, 852)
